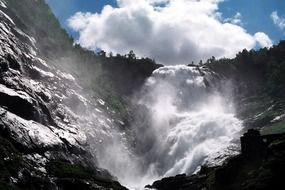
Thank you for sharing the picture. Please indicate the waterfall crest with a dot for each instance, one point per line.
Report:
(183, 119)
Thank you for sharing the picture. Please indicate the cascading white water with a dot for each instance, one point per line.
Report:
(182, 121)
(191, 121)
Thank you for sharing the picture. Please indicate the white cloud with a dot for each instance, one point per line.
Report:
(235, 20)
(278, 21)
(170, 31)
(263, 39)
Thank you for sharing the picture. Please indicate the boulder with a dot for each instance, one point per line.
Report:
(252, 144)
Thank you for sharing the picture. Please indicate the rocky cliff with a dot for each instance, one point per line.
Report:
(42, 143)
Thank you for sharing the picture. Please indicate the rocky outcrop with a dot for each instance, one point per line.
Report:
(16, 102)
(42, 144)
(180, 182)
(252, 144)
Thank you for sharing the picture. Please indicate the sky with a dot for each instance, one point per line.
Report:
(173, 31)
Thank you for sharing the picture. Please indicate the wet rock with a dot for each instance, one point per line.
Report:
(3, 66)
(34, 74)
(255, 169)
(19, 103)
(28, 134)
(180, 182)
(40, 107)
(252, 144)
(13, 63)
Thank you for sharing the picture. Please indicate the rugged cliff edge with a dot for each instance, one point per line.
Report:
(42, 143)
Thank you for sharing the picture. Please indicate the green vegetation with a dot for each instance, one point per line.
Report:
(261, 69)
(64, 169)
(259, 81)
(276, 128)
(36, 19)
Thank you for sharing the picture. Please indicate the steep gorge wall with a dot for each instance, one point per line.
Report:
(43, 112)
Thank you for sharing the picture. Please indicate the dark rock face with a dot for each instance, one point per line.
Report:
(260, 166)
(42, 145)
(252, 144)
(20, 104)
(180, 182)
(260, 171)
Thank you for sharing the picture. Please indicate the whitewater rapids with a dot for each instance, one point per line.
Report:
(184, 118)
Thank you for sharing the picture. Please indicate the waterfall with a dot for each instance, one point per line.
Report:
(184, 118)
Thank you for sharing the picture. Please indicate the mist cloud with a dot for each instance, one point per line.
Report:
(170, 31)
